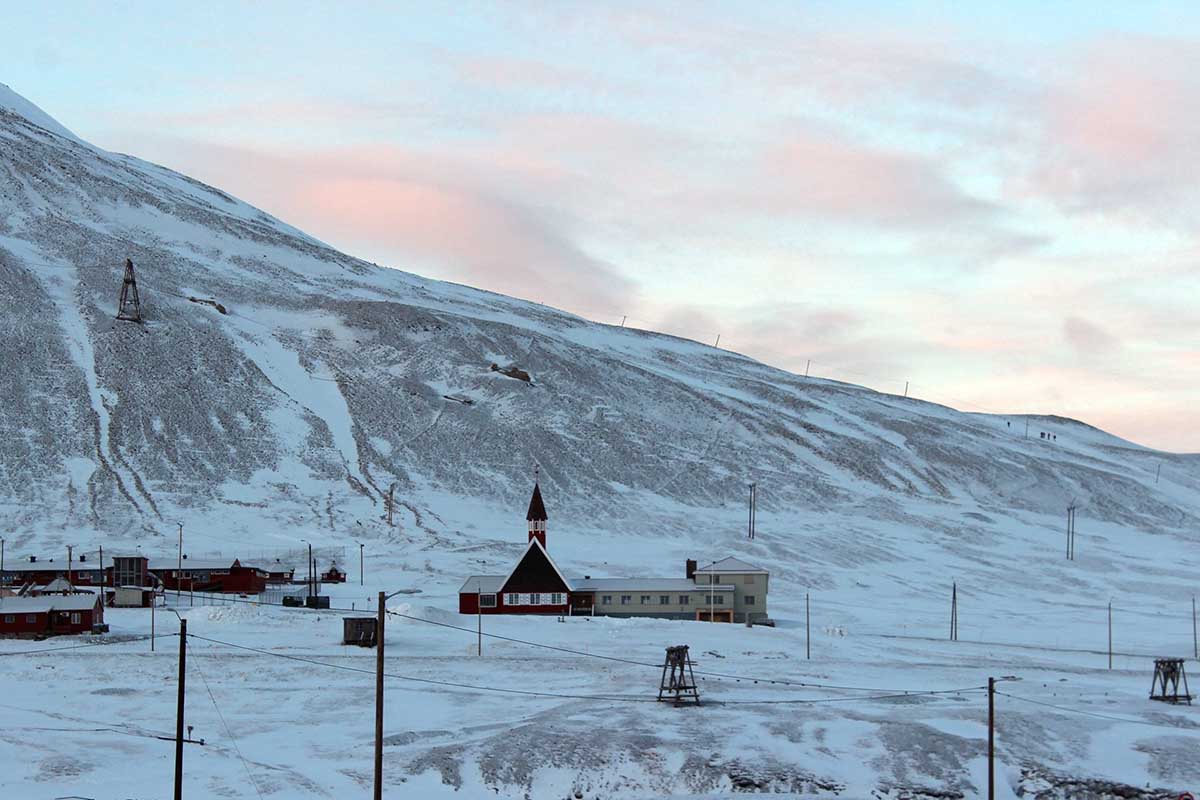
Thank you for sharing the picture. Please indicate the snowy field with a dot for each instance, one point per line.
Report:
(285, 710)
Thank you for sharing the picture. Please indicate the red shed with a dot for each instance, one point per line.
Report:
(50, 615)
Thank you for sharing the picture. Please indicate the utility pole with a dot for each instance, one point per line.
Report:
(1195, 641)
(718, 343)
(991, 739)
(479, 628)
(1157, 472)
(179, 569)
(69, 549)
(360, 564)
(1110, 634)
(807, 629)
(378, 700)
(806, 366)
(1027, 427)
(906, 388)
(623, 316)
(179, 710)
(103, 582)
(750, 518)
(2, 556)
(391, 503)
(153, 603)
(954, 612)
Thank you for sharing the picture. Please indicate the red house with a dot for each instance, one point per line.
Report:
(209, 575)
(534, 586)
(50, 615)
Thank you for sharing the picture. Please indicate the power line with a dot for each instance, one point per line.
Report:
(229, 732)
(451, 684)
(102, 642)
(1097, 715)
(604, 698)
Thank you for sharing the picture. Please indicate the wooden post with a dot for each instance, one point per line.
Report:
(153, 603)
(991, 739)
(806, 366)
(479, 627)
(1110, 634)
(807, 629)
(379, 699)
(179, 710)
(1195, 641)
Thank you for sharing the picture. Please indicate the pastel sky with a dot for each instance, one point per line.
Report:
(997, 203)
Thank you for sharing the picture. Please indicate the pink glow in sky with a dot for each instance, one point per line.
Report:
(1001, 208)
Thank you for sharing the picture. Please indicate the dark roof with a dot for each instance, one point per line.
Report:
(537, 509)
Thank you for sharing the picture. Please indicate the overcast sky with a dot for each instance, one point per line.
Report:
(1001, 206)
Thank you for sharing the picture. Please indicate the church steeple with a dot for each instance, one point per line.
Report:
(536, 516)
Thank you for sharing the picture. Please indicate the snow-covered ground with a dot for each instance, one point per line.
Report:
(290, 416)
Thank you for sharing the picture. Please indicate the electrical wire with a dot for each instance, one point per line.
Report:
(88, 644)
(1097, 715)
(224, 724)
(432, 681)
(601, 697)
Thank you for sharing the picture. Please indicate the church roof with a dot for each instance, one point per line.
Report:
(537, 509)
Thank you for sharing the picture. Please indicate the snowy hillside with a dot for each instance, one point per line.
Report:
(322, 380)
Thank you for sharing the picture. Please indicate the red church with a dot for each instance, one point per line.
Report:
(534, 586)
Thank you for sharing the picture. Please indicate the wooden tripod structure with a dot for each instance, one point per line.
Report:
(678, 682)
(130, 307)
(1168, 672)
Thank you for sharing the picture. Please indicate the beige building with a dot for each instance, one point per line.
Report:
(730, 589)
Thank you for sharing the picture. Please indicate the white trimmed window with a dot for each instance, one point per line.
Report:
(645, 599)
(76, 619)
(487, 601)
(684, 599)
(557, 598)
(606, 600)
(535, 599)
(625, 599)
(512, 599)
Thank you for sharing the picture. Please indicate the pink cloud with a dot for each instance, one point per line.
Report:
(1124, 136)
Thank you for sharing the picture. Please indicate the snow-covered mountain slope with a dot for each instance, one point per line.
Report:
(321, 381)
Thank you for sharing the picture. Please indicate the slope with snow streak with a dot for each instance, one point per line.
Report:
(290, 415)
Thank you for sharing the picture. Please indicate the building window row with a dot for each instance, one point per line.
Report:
(487, 601)
(533, 598)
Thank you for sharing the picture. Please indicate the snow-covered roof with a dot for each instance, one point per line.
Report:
(731, 564)
(485, 584)
(50, 566)
(643, 585)
(44, 603)
(56, 585)
(159, 564)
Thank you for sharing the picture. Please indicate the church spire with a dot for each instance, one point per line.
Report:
(536, 516)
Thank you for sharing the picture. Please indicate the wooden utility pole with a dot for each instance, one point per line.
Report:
(806, 366)
(906, 388)
(69, 580)
(623, 320)
(1158, 472)
(391, 503)
(807, 629)
(360, 564)
(179, 569)
(179, 710)
(379, 699)
(1195, 641)
(991, 739)
(1110, 634)
(718, 342)
(479, 628)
